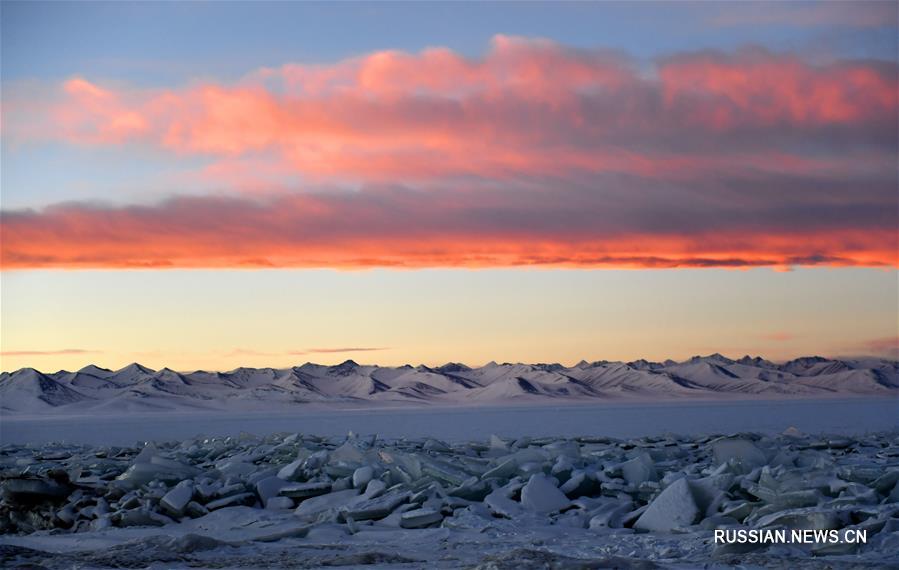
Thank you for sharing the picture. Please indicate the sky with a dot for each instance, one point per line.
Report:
(209, 185)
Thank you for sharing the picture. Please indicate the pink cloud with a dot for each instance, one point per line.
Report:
(886, 346)
(339, 350)
(527, 106)
(301, 352)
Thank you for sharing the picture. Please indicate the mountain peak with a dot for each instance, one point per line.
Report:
(453, 367)
(715, 358)
(135, 367)
(643, 364)
(809, 360)
(29, 373)
(345, 368)
(755, 361)
(95, 370)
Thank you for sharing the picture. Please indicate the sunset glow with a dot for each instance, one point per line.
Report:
(512, 147)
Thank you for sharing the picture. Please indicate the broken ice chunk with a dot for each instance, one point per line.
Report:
(420, 518)
(376, 508)
(232, 501)
(406, 461)
(374, 489)
(885, 482)
(741, 453)
(709, 492)
(291, 471)
(673, 508)
(503, 470)
(500, 503)
(562, 468)
(141, 517)
(195, 510)
(609, 514)
(142, 473)
(305, 490)
(146, 453)
(33, 490)
(277, 503)
(444, 472)
(237, 466)
(314, 462)
(580, 484)
(66, 515)
(473, 489)
(541, 494)
(807, 519)
(793, 432)
(498, 446)
(639, 469)
(176, 500)
(893, 497)
(738, 509)
(436, 445)
(865, 474)
(362, 476)
(347, 453)
(336, 500)
(270, 487)
(718, 521)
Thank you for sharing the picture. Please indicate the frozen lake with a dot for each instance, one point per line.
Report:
(455, 424)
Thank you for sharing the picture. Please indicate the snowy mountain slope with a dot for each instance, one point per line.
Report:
(624, 379)
(855, 381)
(138, 388)
(84, 381)
(27, 390)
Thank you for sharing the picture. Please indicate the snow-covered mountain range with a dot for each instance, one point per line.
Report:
(137, 388)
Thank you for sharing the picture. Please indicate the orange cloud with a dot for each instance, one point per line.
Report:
(395, 228)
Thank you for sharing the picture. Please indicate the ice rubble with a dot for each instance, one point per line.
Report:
(294, 486)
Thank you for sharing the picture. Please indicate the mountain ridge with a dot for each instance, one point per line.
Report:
(136, 387)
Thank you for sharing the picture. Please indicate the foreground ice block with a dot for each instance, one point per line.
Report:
(742, 453)
(541, 495)
(673, 508)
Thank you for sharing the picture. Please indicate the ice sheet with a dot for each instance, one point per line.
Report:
(851, 416)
